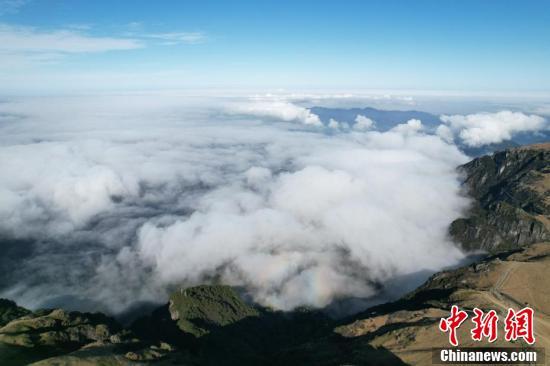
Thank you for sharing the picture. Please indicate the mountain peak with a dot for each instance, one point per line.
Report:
(511, 192)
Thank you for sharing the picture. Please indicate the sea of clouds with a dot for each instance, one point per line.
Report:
(108, 201)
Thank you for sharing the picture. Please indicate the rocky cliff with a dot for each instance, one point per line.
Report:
(58, 337)
(511, 200)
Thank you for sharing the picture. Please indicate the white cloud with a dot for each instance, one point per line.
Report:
(340, 100)
(280, 110)
(173, 38)
(411, 127)
(25, 39)
(486, 128)
(445, 133)
(363, 123)
(23, 50)
(543, 109)
(258, 177)
(136, 194)
(334, 124)
(24, 47)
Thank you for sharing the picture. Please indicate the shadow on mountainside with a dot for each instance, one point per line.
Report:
(301, 337)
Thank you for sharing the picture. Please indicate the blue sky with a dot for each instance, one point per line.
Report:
(54, 45)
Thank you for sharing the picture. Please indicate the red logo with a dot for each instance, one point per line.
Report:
(518, 324)
(485, 325)
(452, 323)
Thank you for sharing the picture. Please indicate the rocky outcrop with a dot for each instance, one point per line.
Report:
(511, 192)
(59, 337)
(59, 328)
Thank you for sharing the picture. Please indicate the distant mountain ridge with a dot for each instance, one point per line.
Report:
(384, 119)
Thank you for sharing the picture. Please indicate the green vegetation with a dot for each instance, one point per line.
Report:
(10, 311)
(198, 310)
